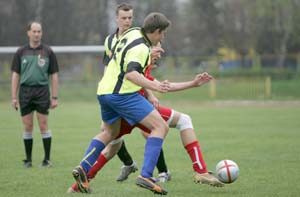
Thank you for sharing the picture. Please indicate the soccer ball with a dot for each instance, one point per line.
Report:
(227, 171)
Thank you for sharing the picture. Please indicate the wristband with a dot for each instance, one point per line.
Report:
(54, 97)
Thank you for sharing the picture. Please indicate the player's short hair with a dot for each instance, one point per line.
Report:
(123, 6)
(155, 20)
(29, 24)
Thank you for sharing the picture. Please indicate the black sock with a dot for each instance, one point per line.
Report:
(161, 164)
(124, 155)
(47, 147)
(28, 148)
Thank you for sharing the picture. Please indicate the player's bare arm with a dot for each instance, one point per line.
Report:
(142, 81)
(14, 88)
(54, 86)
(151, 98)
(199, 80)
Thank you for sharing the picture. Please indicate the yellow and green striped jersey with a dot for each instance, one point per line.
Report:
(109, 43)
(130, 53)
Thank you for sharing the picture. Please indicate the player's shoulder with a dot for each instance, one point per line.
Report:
(110, 36)
(132, 31)
(46, 48)
(133, 36)
(22, 48)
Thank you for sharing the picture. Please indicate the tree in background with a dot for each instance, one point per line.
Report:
(199, 27)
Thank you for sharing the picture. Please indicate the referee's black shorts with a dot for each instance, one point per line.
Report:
(34, 98)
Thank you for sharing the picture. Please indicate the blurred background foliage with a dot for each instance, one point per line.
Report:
(231, 39)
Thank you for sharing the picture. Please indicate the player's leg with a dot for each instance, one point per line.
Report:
(129, 166)
(27, 111)
(153, 146)
(134, 108)
(42, 105)
(108, 153)
(46, 137)
(27, 138)
(184, 124)
(164, 174)
(98, 143)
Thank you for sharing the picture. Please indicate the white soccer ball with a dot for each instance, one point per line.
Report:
(227, 171)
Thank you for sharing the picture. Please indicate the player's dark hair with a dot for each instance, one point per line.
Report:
(155, 20)
(123, 6)
(29, 24)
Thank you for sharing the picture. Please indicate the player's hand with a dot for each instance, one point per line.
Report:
(156, 52)
(202, 78)
(54, 103)
(153, 100)
(14, 104)
(164, 86)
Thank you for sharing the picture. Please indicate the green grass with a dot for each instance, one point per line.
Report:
(263, 140)
(226, 89)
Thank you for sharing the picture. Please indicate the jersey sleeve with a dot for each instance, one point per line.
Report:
(106, 56)
(53, 65)
(16, 62)
(138, 58)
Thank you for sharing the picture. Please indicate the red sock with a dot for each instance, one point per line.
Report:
(196, 156)
(101, 161)
(75, 187)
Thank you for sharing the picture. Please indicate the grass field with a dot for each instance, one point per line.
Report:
(263, 140)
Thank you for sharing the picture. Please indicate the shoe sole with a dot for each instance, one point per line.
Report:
(82, 188)
(144, 183)
(214, 184)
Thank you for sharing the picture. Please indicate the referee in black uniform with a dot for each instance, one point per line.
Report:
(34, 66)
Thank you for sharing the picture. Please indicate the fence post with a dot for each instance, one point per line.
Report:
(268, 86)
(213, 89)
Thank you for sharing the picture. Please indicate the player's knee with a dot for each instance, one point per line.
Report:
(165, 126)
(28, 127)
(162, 127)
(117, 141)
(184, 122)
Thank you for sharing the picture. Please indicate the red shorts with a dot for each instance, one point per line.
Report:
(126, 128)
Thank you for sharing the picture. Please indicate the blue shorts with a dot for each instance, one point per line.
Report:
(131, 107)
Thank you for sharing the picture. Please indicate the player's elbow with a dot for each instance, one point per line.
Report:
(130, 75)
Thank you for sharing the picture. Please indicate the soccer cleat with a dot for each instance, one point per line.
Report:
(207, 178)
(46, 164)
(163, 177)
(126, 171)
(27, 164)
(149, 184)
(81, 179)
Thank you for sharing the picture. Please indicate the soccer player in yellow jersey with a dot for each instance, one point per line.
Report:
(124, 18)
(119, 98)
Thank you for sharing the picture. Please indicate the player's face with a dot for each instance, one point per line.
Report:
(124, 20)
(158, 37)
(35, 33)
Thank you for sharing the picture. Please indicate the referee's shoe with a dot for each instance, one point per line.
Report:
(149, 183)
